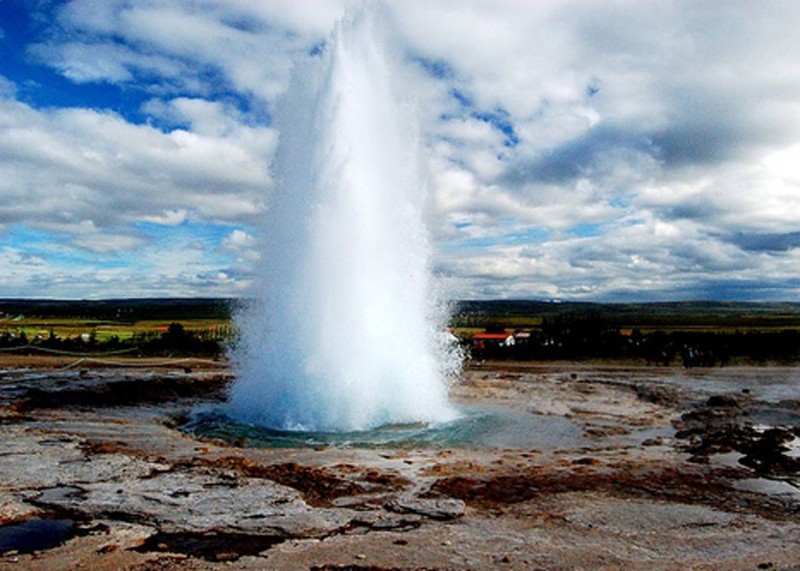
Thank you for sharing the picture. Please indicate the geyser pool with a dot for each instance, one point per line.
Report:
(345, 333)
(476, 427)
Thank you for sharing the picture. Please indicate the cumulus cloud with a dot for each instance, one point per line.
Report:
(624, 117)
(574, 149)
(244, 247)
(239, 239)
(73, 166)
(178, 47)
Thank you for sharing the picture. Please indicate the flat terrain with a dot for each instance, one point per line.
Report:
(16, 364)
(611, 467)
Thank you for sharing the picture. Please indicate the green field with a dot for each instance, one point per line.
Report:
(125, 322)
(128, 317)
(694, 316)
(102, 331)
(756, 332)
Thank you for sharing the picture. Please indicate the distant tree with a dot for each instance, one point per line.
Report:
(176, 338)
(495, 328)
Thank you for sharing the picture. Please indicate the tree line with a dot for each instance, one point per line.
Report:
(587, 338)
(174, 340)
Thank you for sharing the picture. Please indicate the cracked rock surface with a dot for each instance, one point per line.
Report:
(639, 471)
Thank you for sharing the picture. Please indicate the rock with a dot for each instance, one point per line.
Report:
(657, 394)
(195, 502)
(657, 441)
(729, 401)
(433, 508)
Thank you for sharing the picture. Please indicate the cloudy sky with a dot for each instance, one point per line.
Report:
(579, 150)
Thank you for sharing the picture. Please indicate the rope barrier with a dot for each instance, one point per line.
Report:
(60, 352)
(157, 364)
(25, 374)
(93, 358)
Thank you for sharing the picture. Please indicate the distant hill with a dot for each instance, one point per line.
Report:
(467, 312)
(658, 314)
(120, 309)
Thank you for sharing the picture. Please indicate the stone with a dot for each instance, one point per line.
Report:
(433, 508)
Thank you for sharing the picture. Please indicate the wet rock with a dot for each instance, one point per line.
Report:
(186, 502)
(715, 426)
(212, 546)
(434, 508)
(36, 462)
(657, 394)
(767, 453)
(327, 486)
(598, 432)
(319, 486)
(124, 392)
(635, 516)
(722, 424)
(730, 401)
(384, 521)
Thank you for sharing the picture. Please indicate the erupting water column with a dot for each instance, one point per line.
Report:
(345, 333)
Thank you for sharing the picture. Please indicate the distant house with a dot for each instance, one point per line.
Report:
(522, 337)
(483, 340)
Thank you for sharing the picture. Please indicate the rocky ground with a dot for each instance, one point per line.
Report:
(628, 469)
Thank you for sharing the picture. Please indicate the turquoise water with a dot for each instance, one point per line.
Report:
(475, 428)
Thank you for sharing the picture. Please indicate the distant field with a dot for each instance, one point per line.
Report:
(129, 317)
(102, 331)
(104, 320)
(694, 333)
(707, 317)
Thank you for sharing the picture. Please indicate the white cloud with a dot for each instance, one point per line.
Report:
(172, 217)
(104, 242)
(69, 166)
(666, 131)
(244, 246)
(176, 44)
(7, 88)
(238, 239)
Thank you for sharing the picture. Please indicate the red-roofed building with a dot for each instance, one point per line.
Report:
(493, 340)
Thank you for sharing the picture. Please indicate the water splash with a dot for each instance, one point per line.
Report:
(345, 333)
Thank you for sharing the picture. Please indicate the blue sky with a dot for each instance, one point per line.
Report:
(580, 150)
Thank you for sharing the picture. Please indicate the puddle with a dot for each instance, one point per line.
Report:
(35, 534)
(210, 546)
(766, 486)
(768, 384)
(728, 459)
(793, 448)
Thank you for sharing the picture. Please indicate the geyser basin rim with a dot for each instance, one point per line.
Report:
(476, 427)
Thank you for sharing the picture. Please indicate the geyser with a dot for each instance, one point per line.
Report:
(345, 332)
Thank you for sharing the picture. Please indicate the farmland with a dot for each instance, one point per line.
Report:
(137, 327)
(710, 316)
(746, 332)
